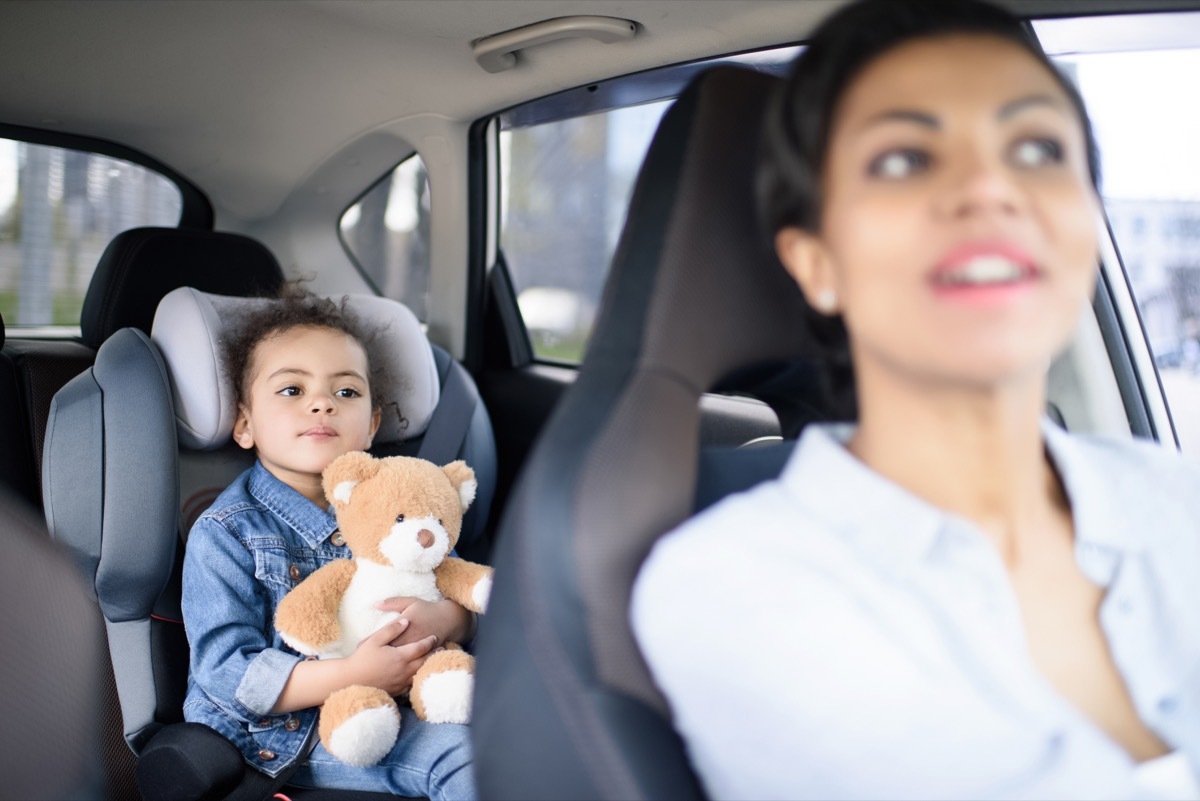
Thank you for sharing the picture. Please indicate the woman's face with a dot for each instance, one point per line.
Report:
(959, 233)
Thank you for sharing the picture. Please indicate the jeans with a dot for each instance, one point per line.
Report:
(431, 760)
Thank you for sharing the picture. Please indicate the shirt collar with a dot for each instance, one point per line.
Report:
(897, 528)
(313, 524)
(883, 520)
(1104, 504)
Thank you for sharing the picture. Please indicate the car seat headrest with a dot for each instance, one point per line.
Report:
(191, 325)
(1, 330)
(141, 265)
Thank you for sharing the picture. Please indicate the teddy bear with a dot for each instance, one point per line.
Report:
(400, 516)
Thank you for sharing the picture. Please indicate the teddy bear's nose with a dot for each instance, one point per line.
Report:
(425, 537)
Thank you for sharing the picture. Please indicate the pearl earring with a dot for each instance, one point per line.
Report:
(827, 300)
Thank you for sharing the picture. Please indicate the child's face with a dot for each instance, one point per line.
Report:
(307, 403)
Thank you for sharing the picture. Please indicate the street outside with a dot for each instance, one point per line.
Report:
(1182, 388)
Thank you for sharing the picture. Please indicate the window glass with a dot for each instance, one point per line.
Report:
(387, 234)
(58, 211)
(567, 168)
(1139, 97)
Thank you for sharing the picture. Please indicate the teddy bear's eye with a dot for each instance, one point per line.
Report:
(399, 518)
(440, 522)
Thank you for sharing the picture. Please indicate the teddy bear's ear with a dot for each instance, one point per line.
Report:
(345, 473)
(463, 480)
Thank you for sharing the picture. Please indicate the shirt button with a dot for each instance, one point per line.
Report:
(1125, 606)
(1168, 705)
(337, 539)
(294, 572)
(292, 724)
(265, 755)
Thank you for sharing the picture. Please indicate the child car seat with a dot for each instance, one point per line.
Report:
(112, 478)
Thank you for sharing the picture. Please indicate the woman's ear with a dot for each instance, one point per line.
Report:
(242, 434)
(810, 265)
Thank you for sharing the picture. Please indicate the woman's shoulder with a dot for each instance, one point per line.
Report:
(1128, 463)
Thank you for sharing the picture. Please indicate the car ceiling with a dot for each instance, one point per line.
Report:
(247, 99)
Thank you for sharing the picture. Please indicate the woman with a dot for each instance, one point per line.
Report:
(952, 598)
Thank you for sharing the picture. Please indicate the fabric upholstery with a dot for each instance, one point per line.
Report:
(142, 265)
(694, 298)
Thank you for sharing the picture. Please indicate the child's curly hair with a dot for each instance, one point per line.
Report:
(295, 308)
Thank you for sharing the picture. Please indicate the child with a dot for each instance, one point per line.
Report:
(304, 390)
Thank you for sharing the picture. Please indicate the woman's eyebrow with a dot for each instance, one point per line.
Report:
(1013, 107)
(922, 118)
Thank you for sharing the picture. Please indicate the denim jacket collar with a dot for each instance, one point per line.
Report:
(313, 524)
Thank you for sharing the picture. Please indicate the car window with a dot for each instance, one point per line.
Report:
(1136, 75)
(386, 233)
(59, 209)
(567, 168)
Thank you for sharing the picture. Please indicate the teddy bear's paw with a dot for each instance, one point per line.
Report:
(445, 697)
(300, 645)
(481, 592)
(365, 737)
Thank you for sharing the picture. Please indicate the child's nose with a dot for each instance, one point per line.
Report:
(320, 404)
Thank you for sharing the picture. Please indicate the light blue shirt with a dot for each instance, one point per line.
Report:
(830, 635)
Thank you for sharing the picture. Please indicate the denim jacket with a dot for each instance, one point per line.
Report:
(258, 540)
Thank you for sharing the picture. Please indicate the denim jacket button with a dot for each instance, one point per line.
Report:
(265, 755)
(292, 724)
(337, 539)
(294, 572)
(265, 722)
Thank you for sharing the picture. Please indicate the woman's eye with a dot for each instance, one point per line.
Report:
(290, 392)
(1036, 152)
(898, 164)
(399, 518)
(348, 392)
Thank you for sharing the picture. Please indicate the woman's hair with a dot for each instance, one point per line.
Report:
(796, 131)
(295, 308)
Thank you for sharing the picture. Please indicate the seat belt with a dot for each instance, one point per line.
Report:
(451, 419)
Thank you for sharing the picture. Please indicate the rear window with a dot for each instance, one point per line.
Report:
(59, 209)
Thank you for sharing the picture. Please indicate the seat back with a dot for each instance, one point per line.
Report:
(565, 705)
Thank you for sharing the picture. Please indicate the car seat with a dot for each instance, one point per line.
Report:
(115, 470)
(565, 705)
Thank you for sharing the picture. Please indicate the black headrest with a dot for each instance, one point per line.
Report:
(140, 266)
(1, 330)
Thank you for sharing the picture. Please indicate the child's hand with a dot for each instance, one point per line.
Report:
(377, 663)
(445, 619)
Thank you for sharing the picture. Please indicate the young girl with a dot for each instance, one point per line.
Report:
(304, 398)
(954, 598)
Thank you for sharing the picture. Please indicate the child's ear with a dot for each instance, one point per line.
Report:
(242, 434)
(376, 416)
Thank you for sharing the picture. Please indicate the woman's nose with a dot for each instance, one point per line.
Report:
(981, 186)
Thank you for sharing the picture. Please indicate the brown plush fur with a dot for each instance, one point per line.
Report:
(453, 658)
(345, 704)
(456, 579)
(311, 615)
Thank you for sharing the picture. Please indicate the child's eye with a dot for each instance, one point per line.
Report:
(348, 392)
(1036, 152)
(290, 392)
(899, 163)
(399, 518)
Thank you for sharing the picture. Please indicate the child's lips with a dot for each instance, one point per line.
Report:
(320, 432)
